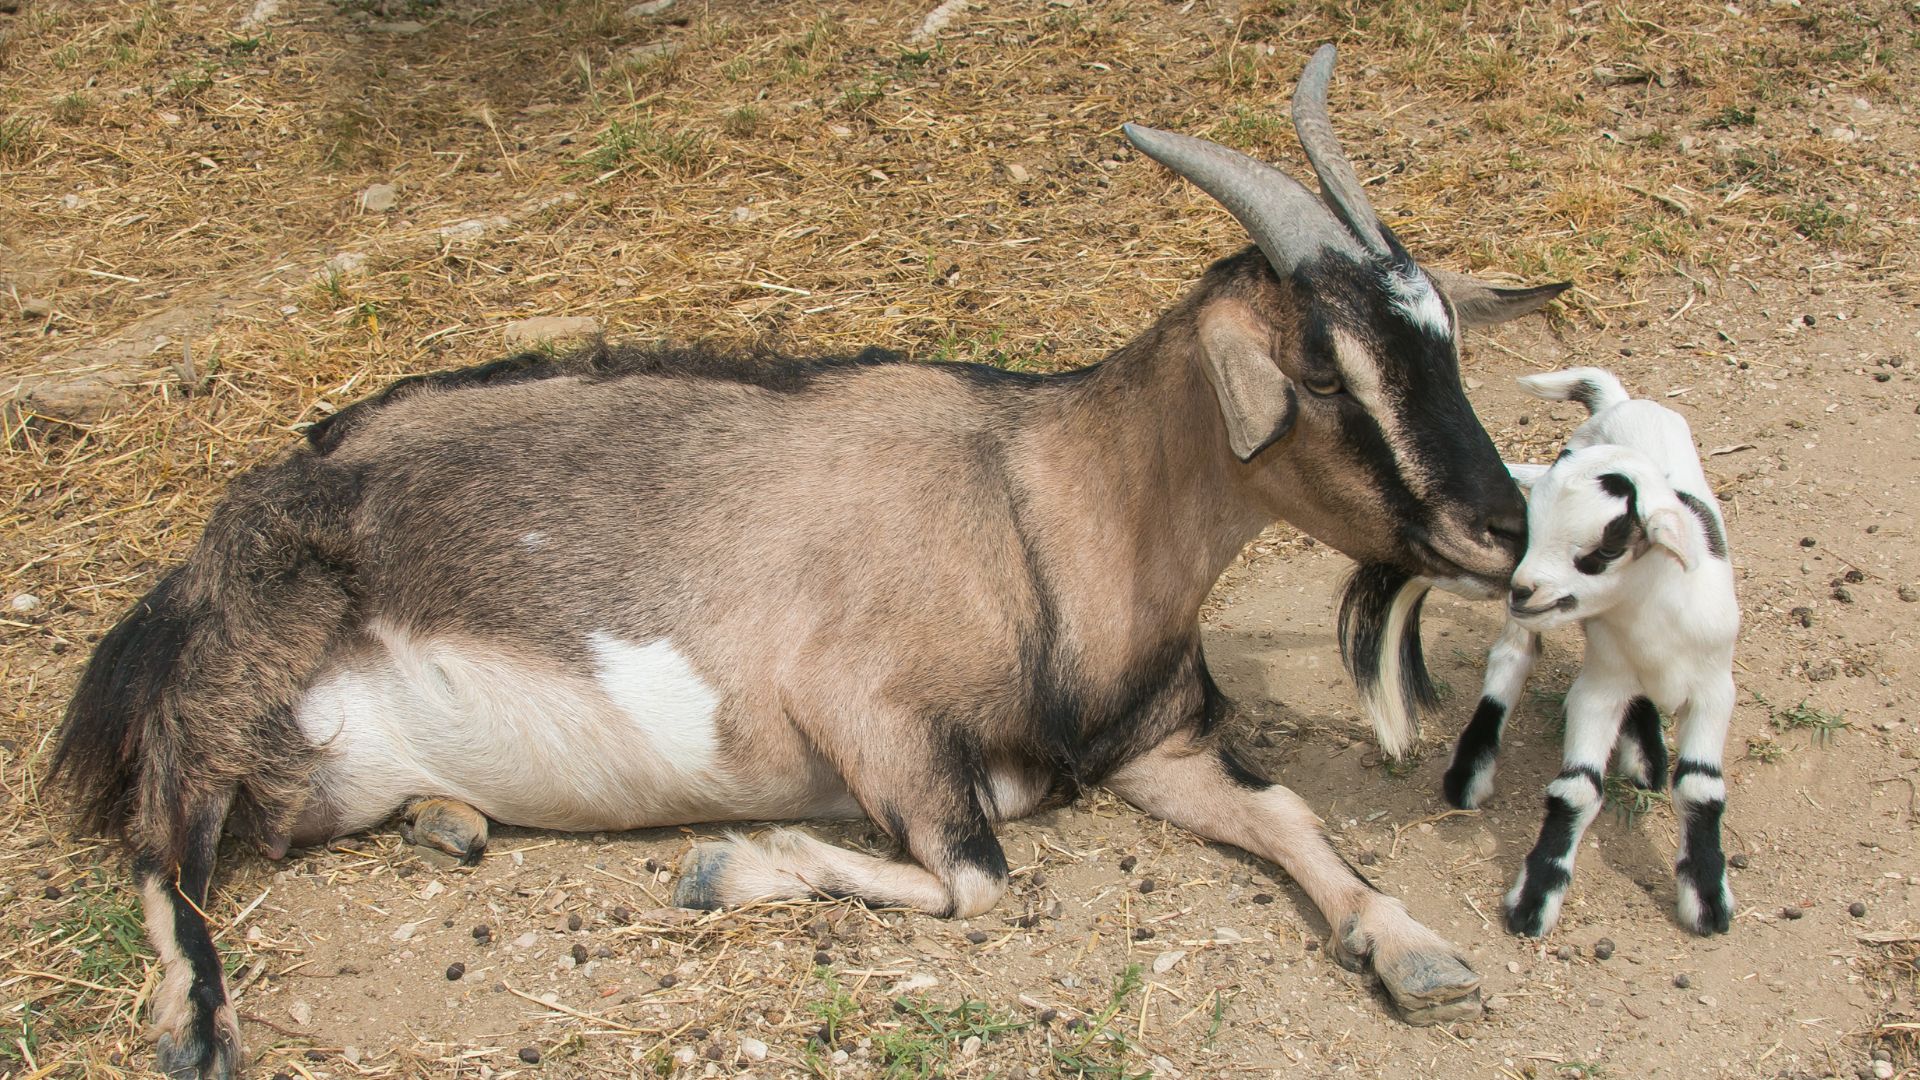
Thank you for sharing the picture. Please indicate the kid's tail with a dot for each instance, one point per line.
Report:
(1595, 388)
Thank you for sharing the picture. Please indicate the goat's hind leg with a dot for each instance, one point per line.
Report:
(1469, 779)
(447, 825)
(1705, 902)
(197, 1035)
(1201, 787)
(957, 867)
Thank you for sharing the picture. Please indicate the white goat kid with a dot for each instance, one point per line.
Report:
(1625, 539)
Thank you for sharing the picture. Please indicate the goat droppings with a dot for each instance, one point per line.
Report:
(455, 970)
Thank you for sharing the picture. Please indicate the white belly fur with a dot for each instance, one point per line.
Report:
(523, 742)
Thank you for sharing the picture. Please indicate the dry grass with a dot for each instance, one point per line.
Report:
(788, 173)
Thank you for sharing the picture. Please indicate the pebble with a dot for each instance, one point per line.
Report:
(22, 603)
(1513, 967)
(1791, 911)
(669, 981)
(1603, 949)
(1857, 909)
(523, 332)
(1262, 898)
(1883, 1070)
(753, 1048)
(1882, 1054)
(1708, 1000)
(1565, 952)
(1909, 594)
(35, 307)
(1227, 935)
(978, 937)
(380, 198)
(1682, 981)
(1738, 862)
(455, 970)
(530, 1055)
(1808, 541)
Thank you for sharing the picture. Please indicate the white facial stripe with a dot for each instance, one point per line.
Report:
(1420, 302)
(664, 697)
(1361, 370)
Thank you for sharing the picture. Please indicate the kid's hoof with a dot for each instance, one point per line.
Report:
(1431, 988)
(1464, 788)
(447, 825)
(187, 1058)
(1705, 911)
(699, 884)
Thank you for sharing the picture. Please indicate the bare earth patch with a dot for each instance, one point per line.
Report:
(219, 222)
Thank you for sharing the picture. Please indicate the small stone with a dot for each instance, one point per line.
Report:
(22, 603)
(35, 308)
(603, 952)
(1019, 173)
(1367, 858)
(1792, 911)
(379, 198)
(1262, 898)
(1128, 863)
(1147, 885)
(1909, 594)
(1738, 862)
(1495, 1003)
(1603, 949)
(301, 1012)
(1808, 541)
(403, 28)
(1565, 953)
(1883, 1070)
(1227, 935)
(1513, 967)
(1682, 981)
(455, 970)
(1881, 1053)
(753, 1049)
(1708, 1000)
(530, 1055)
(1857, 909)
(669, 981)
(647, 10)
(1165, 961)
(977, 937)
(526, 940)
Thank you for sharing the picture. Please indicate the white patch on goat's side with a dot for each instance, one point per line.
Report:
(664, 697)
(1420, 302)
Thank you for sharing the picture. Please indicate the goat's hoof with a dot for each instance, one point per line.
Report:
(447, 825)
(1532, 915)
(1706, 911)
(185, 1057)
(1465, 788)
(699, 884)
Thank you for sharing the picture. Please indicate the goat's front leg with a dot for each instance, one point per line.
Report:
(1705, 902)
(1596, 705)
(1469, 779)
(1201, 787)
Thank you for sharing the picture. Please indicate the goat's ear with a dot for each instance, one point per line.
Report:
(1668, 527)
(1257, 400)
(1480, 304)
(1524, 474)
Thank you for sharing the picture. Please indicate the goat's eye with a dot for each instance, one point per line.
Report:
(1609, 553)
(1322, 384)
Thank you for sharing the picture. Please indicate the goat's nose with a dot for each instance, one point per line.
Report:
(1507, 527)
(1522, 594)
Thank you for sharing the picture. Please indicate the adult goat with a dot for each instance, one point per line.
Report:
(627, 588)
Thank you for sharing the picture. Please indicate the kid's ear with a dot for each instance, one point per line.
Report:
(1525, 474)
(1667, 527)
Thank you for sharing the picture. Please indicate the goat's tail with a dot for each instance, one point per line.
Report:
(1596, 388)
(187, 703)
(1379, 630)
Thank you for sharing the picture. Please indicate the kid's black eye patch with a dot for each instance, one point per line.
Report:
(1618, 534)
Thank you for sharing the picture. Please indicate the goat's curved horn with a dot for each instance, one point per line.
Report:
(1339, 184)
(1283, 217)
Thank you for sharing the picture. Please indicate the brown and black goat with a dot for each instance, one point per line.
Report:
(629, 588)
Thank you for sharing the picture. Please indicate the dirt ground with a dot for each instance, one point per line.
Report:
(194, 262)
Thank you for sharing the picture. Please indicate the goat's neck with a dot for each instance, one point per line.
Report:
(1140, 504)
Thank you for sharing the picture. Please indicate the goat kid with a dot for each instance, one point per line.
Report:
(626, 588)
(1625, 539)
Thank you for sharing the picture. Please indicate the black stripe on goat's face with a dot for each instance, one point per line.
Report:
(1392, 466)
